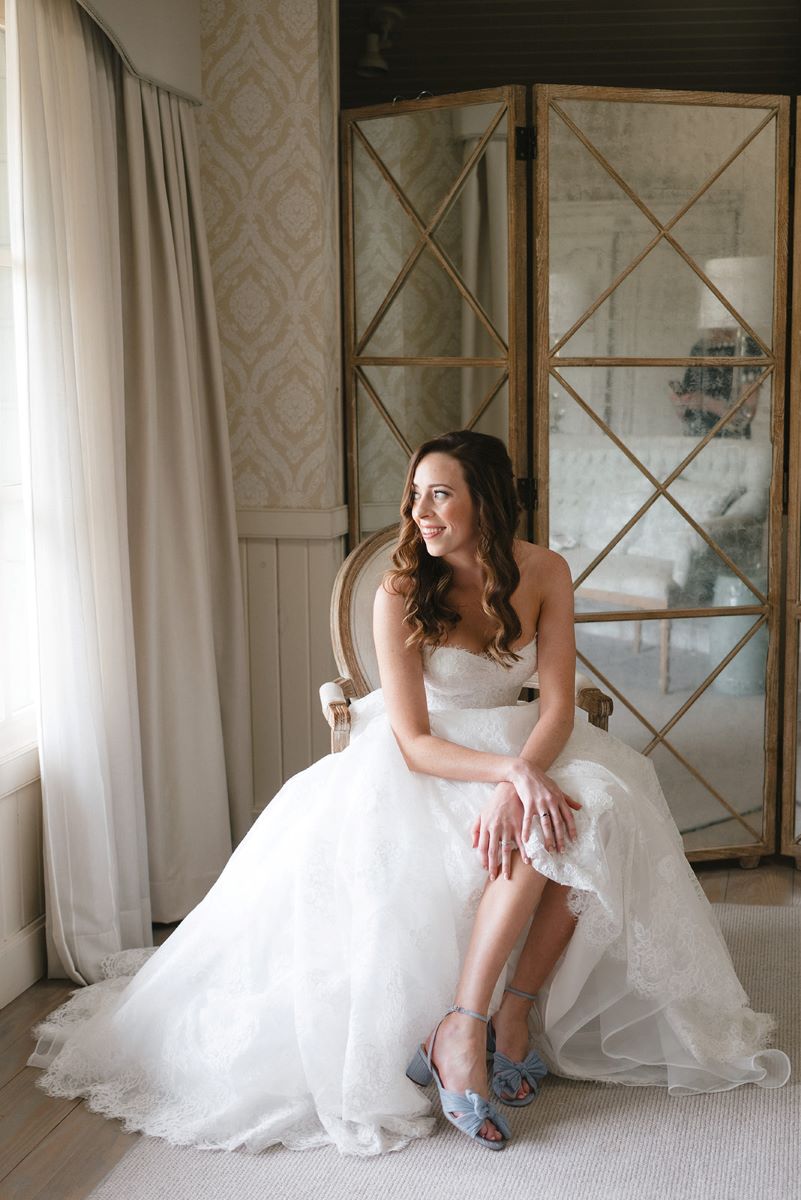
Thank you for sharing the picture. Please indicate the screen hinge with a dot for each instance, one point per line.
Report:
(525, 142)
(527, 492)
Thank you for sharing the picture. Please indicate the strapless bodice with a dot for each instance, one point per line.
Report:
(458, 678)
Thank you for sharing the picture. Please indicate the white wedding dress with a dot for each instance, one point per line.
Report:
(286, 1006)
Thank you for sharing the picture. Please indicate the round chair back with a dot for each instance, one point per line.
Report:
(352, 609)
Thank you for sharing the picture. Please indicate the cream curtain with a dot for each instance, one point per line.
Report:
(142, 669)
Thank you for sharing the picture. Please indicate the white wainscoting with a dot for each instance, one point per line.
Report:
(289, 559)
(22, 936)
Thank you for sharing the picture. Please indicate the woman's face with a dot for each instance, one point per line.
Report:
(442, 507)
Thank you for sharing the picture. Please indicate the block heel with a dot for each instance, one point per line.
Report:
(418, 1070)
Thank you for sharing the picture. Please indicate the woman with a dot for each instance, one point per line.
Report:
(431, 861)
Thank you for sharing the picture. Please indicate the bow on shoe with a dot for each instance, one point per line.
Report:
(507, 1076)
(471, 1122)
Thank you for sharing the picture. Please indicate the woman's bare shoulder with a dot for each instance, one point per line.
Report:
(394, 587)
(538, 564)
(389, 605)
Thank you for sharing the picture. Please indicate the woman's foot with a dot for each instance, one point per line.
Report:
(512, 1037)
(460, 1056)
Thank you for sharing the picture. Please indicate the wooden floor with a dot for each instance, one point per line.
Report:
(775, 881)
(58, 1150)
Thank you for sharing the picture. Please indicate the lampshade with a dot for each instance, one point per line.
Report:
(569, 295)
(372, 62)
(746, 283)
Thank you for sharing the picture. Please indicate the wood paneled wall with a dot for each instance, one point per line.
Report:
(22, 940)
(289, 561)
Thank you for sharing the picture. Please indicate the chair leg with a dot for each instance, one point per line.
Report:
(637, 635)
(664, 656)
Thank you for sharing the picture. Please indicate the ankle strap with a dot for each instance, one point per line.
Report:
(468, 1012)
(517, 992)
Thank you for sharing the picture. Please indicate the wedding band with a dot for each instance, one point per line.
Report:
(507, 843)
(545, 816)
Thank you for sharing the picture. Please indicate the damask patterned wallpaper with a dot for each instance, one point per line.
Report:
(267, 133)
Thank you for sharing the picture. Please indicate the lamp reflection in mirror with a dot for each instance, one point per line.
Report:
(746, 284)
(706, 393)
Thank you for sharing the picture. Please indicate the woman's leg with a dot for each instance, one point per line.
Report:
(551, 929)
(505, 908)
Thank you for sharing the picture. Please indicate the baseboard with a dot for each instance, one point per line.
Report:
(22, 961)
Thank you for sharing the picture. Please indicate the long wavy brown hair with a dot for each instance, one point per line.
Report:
(424, 580)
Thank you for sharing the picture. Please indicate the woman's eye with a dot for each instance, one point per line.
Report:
(439, 492)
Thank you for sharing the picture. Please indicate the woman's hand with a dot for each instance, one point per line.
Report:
(543, 801)
(498, 830)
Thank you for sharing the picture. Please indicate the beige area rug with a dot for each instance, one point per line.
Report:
(582, 1141)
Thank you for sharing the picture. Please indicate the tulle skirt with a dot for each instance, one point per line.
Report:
(286, 1006)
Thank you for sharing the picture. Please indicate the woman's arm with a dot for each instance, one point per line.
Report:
(401, 670)
(556, 667)
(509, 814)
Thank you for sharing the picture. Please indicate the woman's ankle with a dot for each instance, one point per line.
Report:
(514, 1008)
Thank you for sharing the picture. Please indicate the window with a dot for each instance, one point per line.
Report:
(16, 696)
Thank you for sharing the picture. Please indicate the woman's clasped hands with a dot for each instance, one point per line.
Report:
(505, 823)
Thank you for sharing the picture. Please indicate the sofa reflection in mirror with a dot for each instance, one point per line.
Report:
(662, 562)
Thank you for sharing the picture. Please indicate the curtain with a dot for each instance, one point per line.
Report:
(142, 671)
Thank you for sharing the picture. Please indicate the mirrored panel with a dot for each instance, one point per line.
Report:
(713, 783)
(665, 155)
(384, 237)
(382, 465)
(453, 297)
(661, 562)
(431, 315)
(595, 489)
(424, 151)
(730, 232)
(427, 401)
(662, 309)
(635, 403)
(428, 280)
(664, 152)
(726, 486)
(595, 231)
(494, 418)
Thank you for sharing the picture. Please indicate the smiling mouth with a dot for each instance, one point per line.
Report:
(433, 532)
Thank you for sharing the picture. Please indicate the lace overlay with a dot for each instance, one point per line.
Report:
(286, 1006)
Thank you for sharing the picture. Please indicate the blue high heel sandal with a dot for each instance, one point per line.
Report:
(507, 1075)
(471, 1109)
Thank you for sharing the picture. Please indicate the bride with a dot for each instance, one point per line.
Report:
(466, 855)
